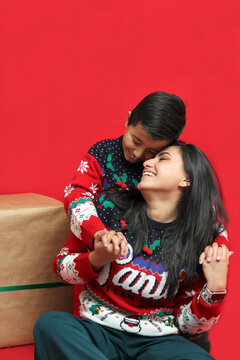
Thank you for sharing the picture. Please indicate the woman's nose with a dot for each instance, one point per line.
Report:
(148, 163)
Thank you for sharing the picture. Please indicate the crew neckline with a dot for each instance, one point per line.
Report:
(159, 225)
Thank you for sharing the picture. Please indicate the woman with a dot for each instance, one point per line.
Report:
(163, 275)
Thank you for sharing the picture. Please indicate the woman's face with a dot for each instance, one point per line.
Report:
(165, 172)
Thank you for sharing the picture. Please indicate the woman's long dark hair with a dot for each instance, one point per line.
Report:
(201, 216)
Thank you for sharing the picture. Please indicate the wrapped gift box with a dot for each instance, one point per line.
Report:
(33, 228)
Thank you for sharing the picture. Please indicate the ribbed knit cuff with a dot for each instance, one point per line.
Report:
(202, 309)
(89, 229)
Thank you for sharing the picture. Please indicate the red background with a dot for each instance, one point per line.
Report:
(70, 71)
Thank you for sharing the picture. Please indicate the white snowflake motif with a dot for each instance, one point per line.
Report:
(94, 188)
(189, 294)
(68, 189)
(64, 251)
(223, 233)
(68, 271)
(88, 195)
(83, 166)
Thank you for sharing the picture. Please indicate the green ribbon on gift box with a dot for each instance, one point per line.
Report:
(32, 286)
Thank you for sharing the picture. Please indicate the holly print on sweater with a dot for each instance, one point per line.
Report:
(130, 293)
(102, 167)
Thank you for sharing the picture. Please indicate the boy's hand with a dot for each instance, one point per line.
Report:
(215, 260)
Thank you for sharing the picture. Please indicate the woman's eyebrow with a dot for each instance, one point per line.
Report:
(164, 153)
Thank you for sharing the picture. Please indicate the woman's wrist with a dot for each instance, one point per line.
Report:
(214, 286)
(211, 297)
(96, 265)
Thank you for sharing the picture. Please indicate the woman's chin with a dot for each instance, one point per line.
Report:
(142, 185)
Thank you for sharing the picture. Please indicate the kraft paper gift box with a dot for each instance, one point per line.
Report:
(33, 228)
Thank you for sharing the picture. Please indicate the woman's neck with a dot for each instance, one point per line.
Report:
(161, 209)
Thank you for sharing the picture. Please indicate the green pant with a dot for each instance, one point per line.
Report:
(62, 336)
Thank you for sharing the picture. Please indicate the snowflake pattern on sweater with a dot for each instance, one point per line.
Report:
(102, 167)
(130, 293)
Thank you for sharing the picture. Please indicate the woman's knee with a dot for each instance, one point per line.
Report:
(48, 322)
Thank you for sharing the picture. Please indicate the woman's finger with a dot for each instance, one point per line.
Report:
(124, 248)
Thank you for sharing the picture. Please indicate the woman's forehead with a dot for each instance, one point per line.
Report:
(172, 150)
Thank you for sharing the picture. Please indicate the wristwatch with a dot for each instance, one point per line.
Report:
(211, 297)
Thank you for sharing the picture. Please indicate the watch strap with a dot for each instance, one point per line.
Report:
(211, 297)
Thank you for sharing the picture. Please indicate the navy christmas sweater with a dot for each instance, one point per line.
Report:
(102, 167)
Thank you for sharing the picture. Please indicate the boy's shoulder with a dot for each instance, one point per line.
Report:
(106, 145)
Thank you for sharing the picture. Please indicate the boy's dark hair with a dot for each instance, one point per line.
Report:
(162, 115)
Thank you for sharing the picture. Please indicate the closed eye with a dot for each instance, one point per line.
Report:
(153, 153)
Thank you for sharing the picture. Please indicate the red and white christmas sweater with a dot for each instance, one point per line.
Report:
(102, 167)
(129, 294)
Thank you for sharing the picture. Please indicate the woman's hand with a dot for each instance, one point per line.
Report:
(215, 260)
(108, 246)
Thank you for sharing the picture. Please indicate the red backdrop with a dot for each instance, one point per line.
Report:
(70, 71)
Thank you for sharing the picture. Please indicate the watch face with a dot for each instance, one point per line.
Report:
(218, 296)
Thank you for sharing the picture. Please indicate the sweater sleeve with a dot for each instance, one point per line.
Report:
(192, 314)
(72, 264)
(78, 199)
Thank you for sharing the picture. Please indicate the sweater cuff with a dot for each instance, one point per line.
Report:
(89, 230)
(202, 309)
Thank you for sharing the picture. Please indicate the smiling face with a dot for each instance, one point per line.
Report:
(165, 172)
(138, 145)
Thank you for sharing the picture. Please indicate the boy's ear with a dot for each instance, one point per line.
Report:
(127, 119)
(185, 182)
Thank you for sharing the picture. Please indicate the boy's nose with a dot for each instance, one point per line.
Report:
(139, 154)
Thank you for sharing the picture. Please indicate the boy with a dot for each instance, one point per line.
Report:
(155, 122)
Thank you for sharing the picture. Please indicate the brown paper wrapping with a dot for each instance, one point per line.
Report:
(33, 228)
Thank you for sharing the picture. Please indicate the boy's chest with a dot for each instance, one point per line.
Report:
(118, 172)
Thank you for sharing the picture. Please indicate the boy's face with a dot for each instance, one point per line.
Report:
(138, 145)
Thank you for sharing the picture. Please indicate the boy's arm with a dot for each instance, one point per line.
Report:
(78, 200)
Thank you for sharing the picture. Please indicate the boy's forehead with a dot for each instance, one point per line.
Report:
(142, 135)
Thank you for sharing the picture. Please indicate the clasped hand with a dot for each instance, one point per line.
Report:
(215, 260)
(108, 246)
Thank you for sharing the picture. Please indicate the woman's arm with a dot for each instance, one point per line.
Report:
(193, 312)
(72, 264)
(76, 264)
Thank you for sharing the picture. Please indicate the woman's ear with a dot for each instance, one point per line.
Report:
(185, 182)
(127, 119)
